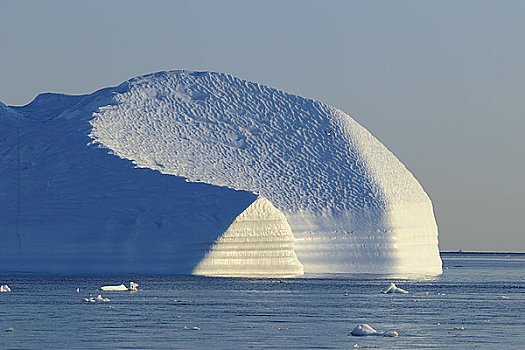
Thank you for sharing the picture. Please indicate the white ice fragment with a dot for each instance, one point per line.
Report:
(101, 299)
(132, 287)
(392, 288)
(392, 334)
(5, 288)
(364, 329)
(98, 299)
(114, 288)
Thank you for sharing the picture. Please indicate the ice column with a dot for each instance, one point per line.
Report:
(259, 243)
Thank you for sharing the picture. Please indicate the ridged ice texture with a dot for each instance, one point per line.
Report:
(259, 243)
(352, 206)
(214, 128)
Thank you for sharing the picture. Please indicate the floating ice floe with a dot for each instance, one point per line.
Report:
(364, 329)
(392, 288)
(5, 288)
(132, 287)
(98, 299)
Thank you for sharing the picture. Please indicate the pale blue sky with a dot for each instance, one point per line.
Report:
(440, 83)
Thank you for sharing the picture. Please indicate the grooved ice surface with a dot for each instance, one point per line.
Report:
(258, 243)
(214, 128)
(218, 143)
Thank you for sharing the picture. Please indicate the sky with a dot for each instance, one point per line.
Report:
(440, 83)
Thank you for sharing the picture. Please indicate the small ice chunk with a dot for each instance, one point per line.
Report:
(132, 287)
(392, 288)
(392, 334)
(114, 288)
(98, 299)
(101, 299)
(364, 330)
(5, 288)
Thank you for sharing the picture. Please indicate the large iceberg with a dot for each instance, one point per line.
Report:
(196, 172)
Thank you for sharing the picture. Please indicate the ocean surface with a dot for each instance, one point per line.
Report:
(478, 303)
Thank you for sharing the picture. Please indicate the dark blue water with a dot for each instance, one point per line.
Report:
(303, 313)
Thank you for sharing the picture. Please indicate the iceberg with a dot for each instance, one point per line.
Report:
(197, 172)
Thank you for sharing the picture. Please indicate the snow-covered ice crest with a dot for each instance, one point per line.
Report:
(217, 144)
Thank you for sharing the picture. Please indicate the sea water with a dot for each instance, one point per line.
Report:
(478, 302)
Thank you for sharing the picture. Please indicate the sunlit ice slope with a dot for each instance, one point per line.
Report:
(351, 204)
(197, 154)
